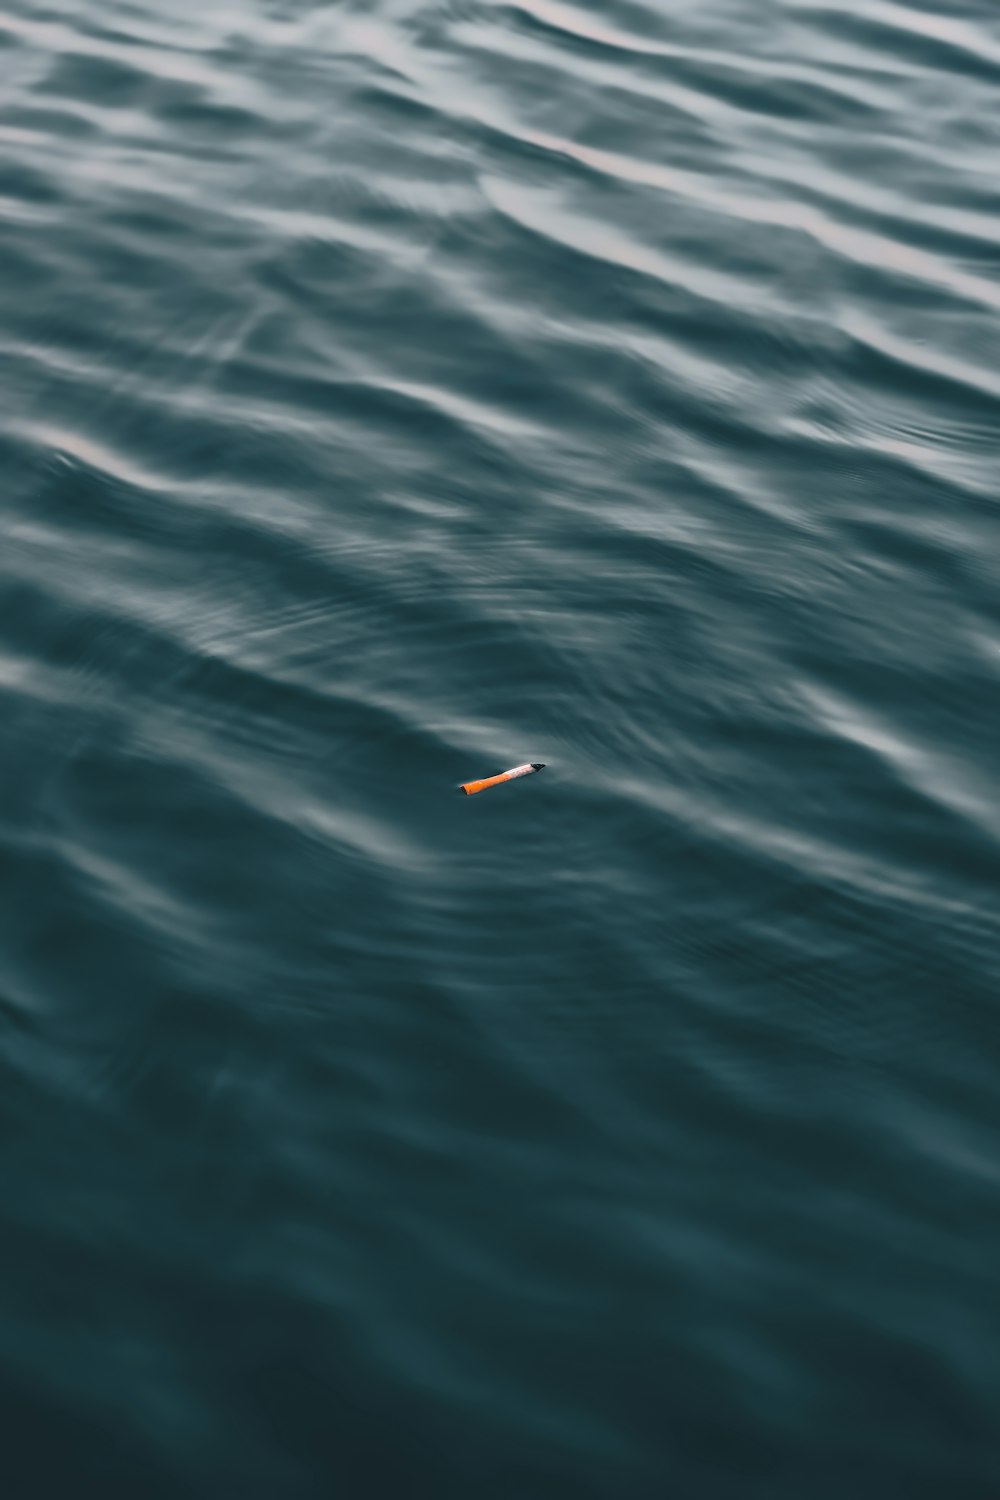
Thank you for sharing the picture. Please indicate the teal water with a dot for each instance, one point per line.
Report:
(396, 392)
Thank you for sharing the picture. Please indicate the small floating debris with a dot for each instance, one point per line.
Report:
(471, 787)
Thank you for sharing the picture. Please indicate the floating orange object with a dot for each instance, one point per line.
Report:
(471, 787)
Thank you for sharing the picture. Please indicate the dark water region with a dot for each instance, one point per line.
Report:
(395, 392)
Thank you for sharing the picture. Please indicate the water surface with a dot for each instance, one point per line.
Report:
(392, 393)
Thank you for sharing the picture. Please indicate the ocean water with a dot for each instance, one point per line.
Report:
(394, 392)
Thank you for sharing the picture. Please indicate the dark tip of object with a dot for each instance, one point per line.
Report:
(538, 765)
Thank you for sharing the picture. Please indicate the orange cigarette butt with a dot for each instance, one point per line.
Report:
(471, 787)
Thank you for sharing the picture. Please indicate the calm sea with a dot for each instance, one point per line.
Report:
(394, 391)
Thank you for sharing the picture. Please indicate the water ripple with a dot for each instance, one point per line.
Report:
(395, 393)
